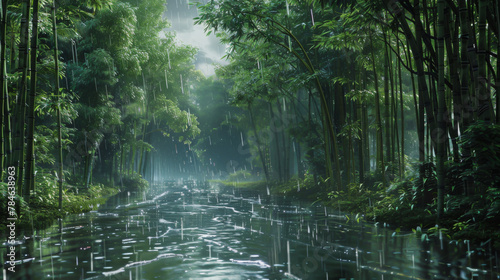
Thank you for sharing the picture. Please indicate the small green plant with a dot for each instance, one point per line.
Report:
(134, 182)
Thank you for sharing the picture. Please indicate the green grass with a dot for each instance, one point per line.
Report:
(43, 208)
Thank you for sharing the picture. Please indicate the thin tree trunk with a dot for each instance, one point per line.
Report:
(142, 151)
(365, 128)
(58, 94)
(259, 146)
(483, 95)
(419, 114)
(30, 155)
(88, 176)
(442, 132)
(393, 117)
(21, 98)
(452, 49)
(122, 163)
(276, 142)
(286, 148)
(133, 150)
(298, 149)
(380, 166)
(112, 170)
(465, 65)
(387, 122)
(401, 100)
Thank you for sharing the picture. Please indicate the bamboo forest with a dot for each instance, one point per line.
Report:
(273, 139)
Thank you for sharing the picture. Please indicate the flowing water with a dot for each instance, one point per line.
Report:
(200, 232)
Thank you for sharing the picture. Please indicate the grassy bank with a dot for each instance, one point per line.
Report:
(43, 207)
(399, 204)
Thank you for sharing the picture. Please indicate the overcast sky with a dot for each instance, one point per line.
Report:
(180, 16)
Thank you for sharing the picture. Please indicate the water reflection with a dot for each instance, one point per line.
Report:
(187, 232)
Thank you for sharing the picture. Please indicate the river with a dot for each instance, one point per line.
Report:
(185, 231)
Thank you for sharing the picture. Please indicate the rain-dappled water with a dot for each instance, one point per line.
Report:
(186, 231)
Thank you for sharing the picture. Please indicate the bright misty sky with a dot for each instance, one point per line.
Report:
(180, 16)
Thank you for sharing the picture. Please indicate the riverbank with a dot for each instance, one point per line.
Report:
(395, 206)
(43, 208)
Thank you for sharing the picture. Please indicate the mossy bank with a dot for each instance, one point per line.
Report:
(43, 207)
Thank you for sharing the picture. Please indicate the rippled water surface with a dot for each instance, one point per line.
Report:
(192, 232)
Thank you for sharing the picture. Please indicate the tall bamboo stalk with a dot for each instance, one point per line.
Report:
(21, 97)
(380, 167)
(276, 142)
(387, 110)
(30, 155)
(483, 95)
(401, 100)
(58, 94)
(442, 135)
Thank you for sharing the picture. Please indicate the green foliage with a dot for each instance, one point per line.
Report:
(483, 163)
(134, 182)
(22, 209)
(240, 175)
(43, 209)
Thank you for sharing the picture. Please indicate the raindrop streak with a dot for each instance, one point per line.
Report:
(242, 144)
(182, 229)
(468, 251)
(182, 85)
(357, 261)
(287, 8)
(312, 17)
(166, 80)
(52, 265)
(441, 238)
(143, 82)
(210, 140)
(168, 56)
(288, 256)
(262, 73)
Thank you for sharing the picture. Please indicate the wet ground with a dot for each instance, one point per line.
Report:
(186, 231)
